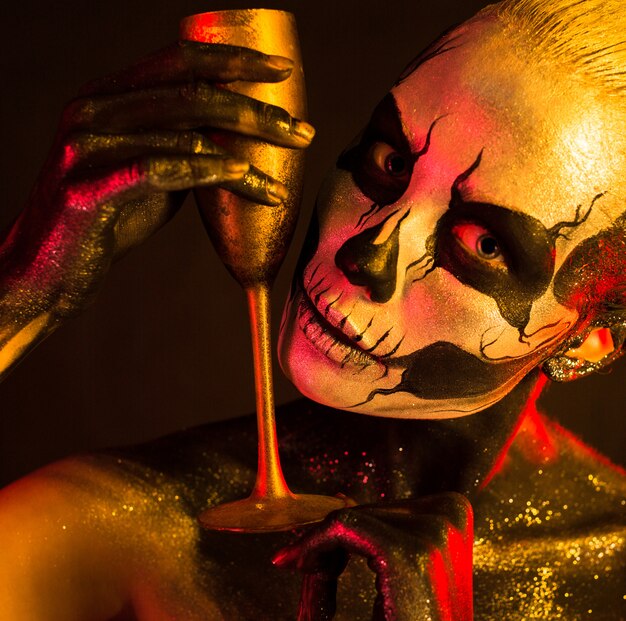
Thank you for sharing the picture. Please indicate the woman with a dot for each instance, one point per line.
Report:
(468, 239)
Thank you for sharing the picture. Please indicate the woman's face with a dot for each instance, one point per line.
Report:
(427, 285)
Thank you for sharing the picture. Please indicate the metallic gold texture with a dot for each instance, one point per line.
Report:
(120, 528)
(251, 239)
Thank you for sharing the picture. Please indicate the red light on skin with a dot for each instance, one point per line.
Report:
(85, 204)
(83, 197)
(461, 550)
(450, 571)
(440, 581)
(535, 441)
(530, 433)
(70, 155)
(584, 450)
(540, 440)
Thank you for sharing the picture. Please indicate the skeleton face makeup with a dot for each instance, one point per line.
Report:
(427, 284)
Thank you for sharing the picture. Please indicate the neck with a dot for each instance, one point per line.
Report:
(418, 457)
(464, 453)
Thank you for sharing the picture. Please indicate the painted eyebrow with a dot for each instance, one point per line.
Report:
(554, 232)
(508, 223)
(527, 243)
(442, 44)
(389, 109)
(386, 125)
(527, 247)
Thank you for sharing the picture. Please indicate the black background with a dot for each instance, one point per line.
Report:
(166, 344)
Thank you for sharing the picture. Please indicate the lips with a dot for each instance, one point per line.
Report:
(328, 339)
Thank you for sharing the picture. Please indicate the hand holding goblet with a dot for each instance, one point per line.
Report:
(126, 150)
(252, 240)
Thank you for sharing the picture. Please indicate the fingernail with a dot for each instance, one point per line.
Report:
(278, 191)
(282, 557)
(280, 62)
(236, 167)
(304, 130)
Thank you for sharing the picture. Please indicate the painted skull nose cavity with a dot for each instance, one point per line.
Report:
(372, 265)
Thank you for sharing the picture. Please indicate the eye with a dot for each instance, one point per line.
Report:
(479, 241)
(382, 172)
(389, 160)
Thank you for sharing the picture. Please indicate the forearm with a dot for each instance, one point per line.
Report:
(27, 306)
(17, 339)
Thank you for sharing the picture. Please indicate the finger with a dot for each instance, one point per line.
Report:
(258, 187)
(443, 544)
(379, 612)
(188, 61)
(399, 586)
(185, 108)
(318, 597)
(99, 150)
(82, 149)
(111, 189)
(317, 549)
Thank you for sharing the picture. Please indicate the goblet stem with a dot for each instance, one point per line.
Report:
(270, 482)
(271, 506)
(252, 240)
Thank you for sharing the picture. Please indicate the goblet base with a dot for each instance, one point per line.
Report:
(259, 515)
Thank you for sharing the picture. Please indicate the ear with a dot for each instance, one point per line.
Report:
(594, 350)
(597, 345)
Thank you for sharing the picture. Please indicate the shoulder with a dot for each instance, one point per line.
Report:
(551, 480)
(96, 532)
(49, 523)
(551, 530)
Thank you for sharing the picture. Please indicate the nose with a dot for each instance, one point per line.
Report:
(371, 263)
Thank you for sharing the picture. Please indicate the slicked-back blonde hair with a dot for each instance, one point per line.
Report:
(587, 35)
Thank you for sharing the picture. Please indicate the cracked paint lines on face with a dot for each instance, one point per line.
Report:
(383, 160)
(427, 287)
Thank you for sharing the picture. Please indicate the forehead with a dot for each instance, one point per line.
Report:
(548, 141)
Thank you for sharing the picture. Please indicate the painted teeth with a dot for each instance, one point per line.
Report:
(329, 340)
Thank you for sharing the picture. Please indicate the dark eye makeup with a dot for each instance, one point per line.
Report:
(505, 254)
(381, 163)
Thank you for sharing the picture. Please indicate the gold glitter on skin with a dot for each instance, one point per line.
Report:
(556, 545)
(115, 536)
(549, 544)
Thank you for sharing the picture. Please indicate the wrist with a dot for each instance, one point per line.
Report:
(51, 267)
(17, 340)
(28, 310)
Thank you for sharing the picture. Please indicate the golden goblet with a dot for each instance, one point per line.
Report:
(252, 240)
